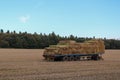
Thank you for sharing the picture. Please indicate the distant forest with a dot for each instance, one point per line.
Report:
(39, 41)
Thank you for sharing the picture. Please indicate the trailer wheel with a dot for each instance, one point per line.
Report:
(47, 58)
(88, 57)
(82, 58)
(71, 58)
(76, 58)
(50, 59)
(65, 58)
(95, 57)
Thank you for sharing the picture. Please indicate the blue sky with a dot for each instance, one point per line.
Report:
(84, 18)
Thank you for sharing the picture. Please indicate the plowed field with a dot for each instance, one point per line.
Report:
(28, 64)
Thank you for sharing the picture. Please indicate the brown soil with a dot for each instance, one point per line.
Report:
(28, 64)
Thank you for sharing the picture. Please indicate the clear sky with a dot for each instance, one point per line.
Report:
(83, 18)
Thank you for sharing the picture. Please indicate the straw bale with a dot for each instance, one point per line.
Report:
(71, 47)
(66, 42)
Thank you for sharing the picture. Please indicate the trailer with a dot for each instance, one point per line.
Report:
(73, 51)
(73, 57)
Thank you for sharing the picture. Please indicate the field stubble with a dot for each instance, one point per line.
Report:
(28, 64)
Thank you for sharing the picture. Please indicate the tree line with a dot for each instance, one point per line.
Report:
(39, 41)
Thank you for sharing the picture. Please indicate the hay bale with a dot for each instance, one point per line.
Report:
(66, 42)
(71, 47)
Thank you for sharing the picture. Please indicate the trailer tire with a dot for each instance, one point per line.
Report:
(65, 58)
(71, 58)
(88, 57)
(95, 57)
(76, 58)
(82, 58)
(51, 59)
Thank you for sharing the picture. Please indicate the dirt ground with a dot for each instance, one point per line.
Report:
(28, 64)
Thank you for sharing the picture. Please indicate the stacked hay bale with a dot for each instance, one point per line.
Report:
(102, 46)
(72, 47)
(98, 45)
(66, 42)
(67, 49)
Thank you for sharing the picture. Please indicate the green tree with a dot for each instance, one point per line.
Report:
(4, 44)
(1, 31)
